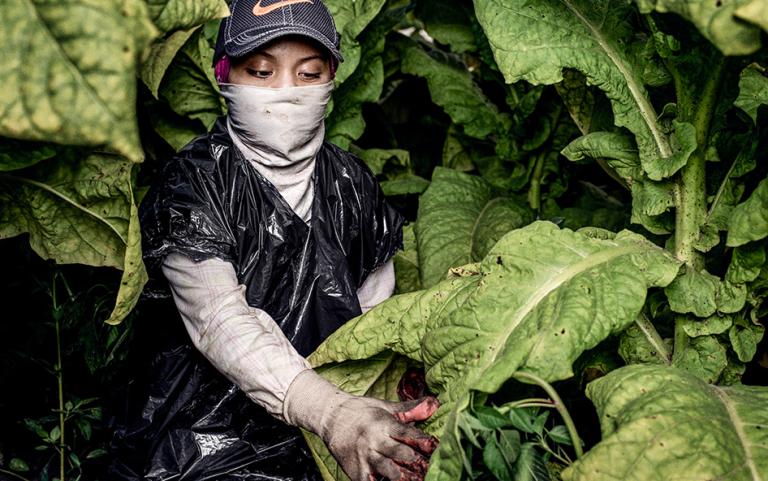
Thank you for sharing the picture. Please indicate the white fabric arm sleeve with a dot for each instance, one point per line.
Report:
(243, 343)
(378, 286)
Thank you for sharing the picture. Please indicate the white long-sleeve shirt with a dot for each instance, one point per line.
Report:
(244, 343)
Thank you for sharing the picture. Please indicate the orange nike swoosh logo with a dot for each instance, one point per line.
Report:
(258, 10)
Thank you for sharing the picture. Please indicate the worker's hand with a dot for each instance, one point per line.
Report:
(367, 436)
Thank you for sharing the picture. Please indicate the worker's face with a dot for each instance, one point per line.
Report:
(285, 62)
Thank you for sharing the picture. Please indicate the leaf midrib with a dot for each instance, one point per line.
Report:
(647, 112)
(67, 200)
(475, 224)
(555, 282)
(737, 426)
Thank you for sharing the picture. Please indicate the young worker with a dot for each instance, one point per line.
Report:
(270, 239)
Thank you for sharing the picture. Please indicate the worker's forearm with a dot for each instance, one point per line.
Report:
(243, 343)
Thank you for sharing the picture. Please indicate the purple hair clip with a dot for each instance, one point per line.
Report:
(221, 71)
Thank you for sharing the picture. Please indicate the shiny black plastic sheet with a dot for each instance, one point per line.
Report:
(182, 420)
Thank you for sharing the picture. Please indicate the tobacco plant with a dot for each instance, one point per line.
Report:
(585, 183)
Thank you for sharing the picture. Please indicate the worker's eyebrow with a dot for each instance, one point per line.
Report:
(312, 57)
(265, 54)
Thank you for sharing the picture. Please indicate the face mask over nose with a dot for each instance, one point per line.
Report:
(279, 127)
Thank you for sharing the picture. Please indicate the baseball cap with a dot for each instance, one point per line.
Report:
(253, 23)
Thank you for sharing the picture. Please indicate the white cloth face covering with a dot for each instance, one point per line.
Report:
(280, 130)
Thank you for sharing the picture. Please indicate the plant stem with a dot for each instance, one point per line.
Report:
(559, 405)
(534, 193)
(691, 194)
(697, 107)
(653, 337)
(545, 447)
(11, 473)
(60, 381)
(541, 402)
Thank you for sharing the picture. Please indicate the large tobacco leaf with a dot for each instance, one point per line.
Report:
(453, 88)
(540, 298)
(160, 57)
(536, 41)
(716, 21)
(460, 218)
(446, 22)
(351, 19)
(360, 78)
(79, 211)
(181, 14)
(754, 11)
(72, 85)
(189, 86)
(661, 423)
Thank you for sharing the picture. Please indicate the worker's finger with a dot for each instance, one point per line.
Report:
(415, 438)
(404, 456)
(394, 472)
(418, 410)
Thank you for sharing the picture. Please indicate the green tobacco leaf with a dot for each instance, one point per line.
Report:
(71, 85)
(660, 423)
(590, 112)
(189, 86)
(15, 154)
(446, 22)
(160, 57)
(749, 221)
(731, 297)
(744, 338)
(649, 200)
(182, 14)
(636, 347)
(754, 11)
(351, 18)
(454, 89)
(405, 185)
(79, 212)
(715, 21)
(746, 263)
(346, 123)
(541, 298)
(134, 273)
(704, 357)
(619, 151)
(694, 292)
(379, 159)
(455, 156)
(683, 141)
(408, 275)
(530, 465)
(716, 324)
(460, 218)
(536, 41)
(177, 131)
(753, 92)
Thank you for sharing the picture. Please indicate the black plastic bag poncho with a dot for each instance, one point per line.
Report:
(183, 420)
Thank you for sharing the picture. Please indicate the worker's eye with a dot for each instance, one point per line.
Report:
(310, 75)
(258, 73)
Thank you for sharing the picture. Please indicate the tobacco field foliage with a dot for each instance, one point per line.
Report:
(586, 184)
